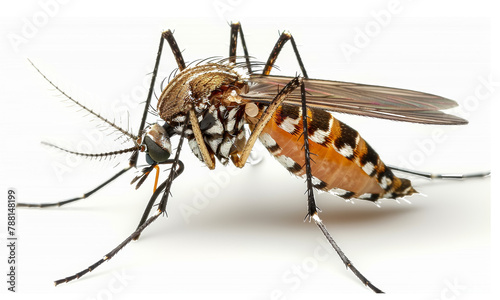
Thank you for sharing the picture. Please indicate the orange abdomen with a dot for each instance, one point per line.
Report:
(341, 161)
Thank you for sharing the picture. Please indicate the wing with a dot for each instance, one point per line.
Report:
(359, 99)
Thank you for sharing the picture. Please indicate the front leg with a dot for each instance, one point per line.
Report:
(208, 157)
(240, 161)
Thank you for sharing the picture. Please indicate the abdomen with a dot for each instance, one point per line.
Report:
(341, 161)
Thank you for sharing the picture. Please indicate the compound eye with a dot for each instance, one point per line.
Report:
(157, 144)
(155, 151)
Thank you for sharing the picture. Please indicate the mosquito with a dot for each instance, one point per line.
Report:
(210, 102)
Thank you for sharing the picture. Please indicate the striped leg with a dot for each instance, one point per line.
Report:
(239, 161)
(440, 176)
(312, 212)
(311, 203)
(344, 258)
(167, 35)
(165, 188)
(284, 37)
(271, 109)
(84, 196)
(235, 28)
(148, 208)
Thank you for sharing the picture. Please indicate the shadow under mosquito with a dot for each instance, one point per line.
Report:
(339, 214)
(367, 214)
(336, 213)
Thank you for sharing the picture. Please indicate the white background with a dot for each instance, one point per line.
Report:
(246, 240)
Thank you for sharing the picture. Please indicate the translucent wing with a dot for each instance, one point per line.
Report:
(359, 99)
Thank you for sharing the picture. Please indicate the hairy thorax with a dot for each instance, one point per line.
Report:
(213, 91)
(200, 87)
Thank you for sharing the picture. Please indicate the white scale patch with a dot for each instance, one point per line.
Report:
(230, 124)
(215, 129)
(368, 168)
(178, 130)
(267, 141)
(339, 192)
(179, 119)
(214, 144)
(346, 151)
(365, 196)
(388, 195)
(232, 113)
(319, 136)
(289, 124)
(201, 106)
(231, 120)
(385, 182)
(241, 124)
(286, 161)
(315, 181)
(194, 147)
(225, 148)
(407, 190)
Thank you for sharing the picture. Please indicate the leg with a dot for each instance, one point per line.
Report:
(235, 28)
(145, 173)
(157, 192)
(263, 120)
(43, 205)
(311, 203)
(441, 176)
(112, 253)
(207, 158)
(89, 155)
(285, 36)
(133, 160)
(167, 35)
(344, 258)
(312, 209)
(165, 186)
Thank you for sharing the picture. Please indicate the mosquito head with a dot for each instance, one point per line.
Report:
(156, 144)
